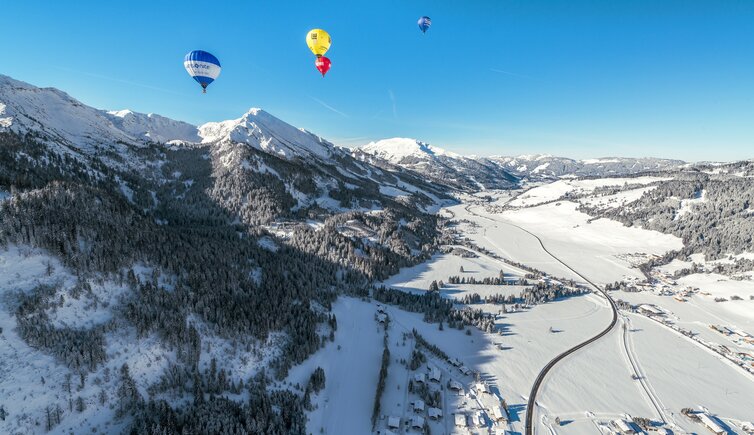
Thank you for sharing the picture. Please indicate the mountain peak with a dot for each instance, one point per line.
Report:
(396, 149)
(262, 130)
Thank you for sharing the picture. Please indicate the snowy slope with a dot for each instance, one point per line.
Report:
(25, 108)
(153, 128)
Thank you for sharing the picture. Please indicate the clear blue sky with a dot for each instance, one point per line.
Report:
(581, 78)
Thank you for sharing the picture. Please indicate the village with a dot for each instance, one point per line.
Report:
(729, 341)
(440, 394)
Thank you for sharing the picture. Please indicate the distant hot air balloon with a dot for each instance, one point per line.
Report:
(323, 65)
(203, 67)
(424, 23)
(318, 41)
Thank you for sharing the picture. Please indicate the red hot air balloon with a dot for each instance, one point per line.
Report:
(323, 65)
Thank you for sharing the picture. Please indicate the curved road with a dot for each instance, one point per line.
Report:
(543, 373)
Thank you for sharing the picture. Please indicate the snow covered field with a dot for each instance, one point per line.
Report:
(553, 191)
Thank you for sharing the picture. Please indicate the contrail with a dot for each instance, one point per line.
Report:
(499, 71)
(113, 79)
(392, 99)
(329, 107)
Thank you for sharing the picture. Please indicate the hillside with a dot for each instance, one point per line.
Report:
(146, 255)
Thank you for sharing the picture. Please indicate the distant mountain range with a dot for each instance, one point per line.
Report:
(479, 173)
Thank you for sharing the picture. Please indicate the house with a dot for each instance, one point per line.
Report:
(500, 414)
(710, 423)
(747, 427)
(381, 317)
(417, 422)
(394, 422)
(478, 419)
(460, 420)
(418, 406)
(434, 413)
(420, 378)
(465, 370)
(455, 386)
(624, 427)
(435, 374)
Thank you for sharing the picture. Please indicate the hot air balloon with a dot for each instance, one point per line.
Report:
(323, 65)
(203, 67)
(424, 23)
(318, 41)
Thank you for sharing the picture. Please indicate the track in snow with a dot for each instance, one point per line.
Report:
(654, 400)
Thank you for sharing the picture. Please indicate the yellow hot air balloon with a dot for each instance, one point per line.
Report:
(318, 41)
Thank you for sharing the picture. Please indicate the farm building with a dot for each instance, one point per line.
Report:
(418, 406)
(711, 424)
(417, 422)
(455, 362)
(460, 420)
(394, 422)
(650, 310)
(381, 317)
(499, 413)
(434, 413)
(455, 385)
(420, 378)
(481, 387)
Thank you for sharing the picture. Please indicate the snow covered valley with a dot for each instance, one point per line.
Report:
(643, 369)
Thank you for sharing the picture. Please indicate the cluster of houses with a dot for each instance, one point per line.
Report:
(490, 409)
(394, 424)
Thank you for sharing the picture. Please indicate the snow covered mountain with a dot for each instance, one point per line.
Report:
(441, 166)
(544, 166)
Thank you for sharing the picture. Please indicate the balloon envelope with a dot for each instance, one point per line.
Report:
(318, 41)
(202, 66)
(323, 65)
(424, 23)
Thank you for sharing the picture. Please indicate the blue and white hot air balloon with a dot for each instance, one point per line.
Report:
(424, 23)
(203, 67)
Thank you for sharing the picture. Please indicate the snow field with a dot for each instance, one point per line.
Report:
(557, 189)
